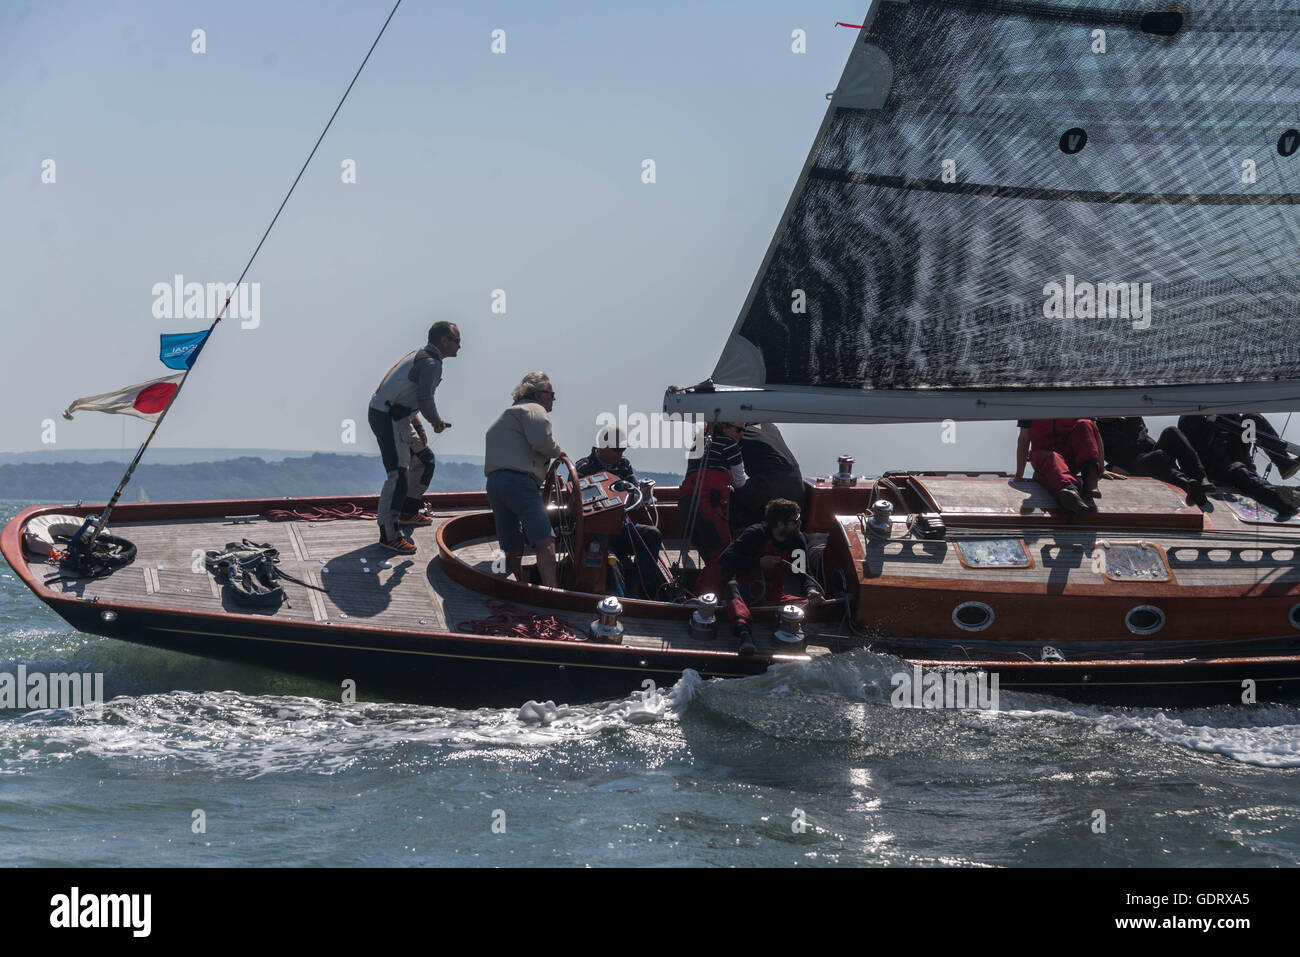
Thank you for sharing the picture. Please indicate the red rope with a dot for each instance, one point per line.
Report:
(318, 513)
(511, 621)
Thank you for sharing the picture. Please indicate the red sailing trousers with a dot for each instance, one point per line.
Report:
(1060, 450)
(766, 588)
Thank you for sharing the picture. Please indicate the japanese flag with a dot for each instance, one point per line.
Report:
(147, 400)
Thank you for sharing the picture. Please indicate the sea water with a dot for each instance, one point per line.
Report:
(191, 762)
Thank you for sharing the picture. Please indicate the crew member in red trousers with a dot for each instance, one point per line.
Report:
(1067, 456)
(759, 564)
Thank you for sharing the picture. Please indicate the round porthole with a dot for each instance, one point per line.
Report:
(972, 616)
(1145, 620)
(1294, 617)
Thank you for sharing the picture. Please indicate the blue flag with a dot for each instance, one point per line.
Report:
(179, 351)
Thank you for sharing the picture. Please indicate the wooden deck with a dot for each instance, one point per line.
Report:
(367, 584)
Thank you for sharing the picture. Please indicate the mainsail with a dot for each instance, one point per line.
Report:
(1036, 209)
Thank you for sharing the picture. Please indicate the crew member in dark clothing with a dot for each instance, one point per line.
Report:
(634, 544)
(1220, 443)
(1266, 437)
(1129, 447)
(773, 473)
(759, 565)
(713, 468)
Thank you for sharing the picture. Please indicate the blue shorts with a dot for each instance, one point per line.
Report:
(516, 501)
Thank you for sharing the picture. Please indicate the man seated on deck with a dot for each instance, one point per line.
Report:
(1220, 441)
(1067, 456)
(1131, 451)
(639, 544)
(760, 565)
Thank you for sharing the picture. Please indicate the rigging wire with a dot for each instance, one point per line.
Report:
(103, 518)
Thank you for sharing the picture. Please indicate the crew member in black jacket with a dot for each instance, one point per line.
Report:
(766, 563)
(1220, 442)
(1129, 446)
(773, 473)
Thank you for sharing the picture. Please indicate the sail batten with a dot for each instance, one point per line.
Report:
(1046, 196)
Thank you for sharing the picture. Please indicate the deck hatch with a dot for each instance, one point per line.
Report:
(1249, 510)
(1132, 561)
(994, 553)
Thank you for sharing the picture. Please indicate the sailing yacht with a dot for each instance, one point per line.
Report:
(1012, 210)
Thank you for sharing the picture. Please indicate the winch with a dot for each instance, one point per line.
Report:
(607, 627)
(704, 621)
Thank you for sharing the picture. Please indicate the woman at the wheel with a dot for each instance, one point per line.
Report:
(520, 448)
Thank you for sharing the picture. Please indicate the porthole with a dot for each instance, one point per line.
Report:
(972, 616)
(1145, 620)
(1295, 617)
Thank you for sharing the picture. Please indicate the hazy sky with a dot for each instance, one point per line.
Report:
(475, 172)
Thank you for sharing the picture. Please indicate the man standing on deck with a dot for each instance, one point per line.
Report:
(408, 388)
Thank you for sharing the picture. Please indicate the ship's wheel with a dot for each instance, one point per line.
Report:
(563, 501)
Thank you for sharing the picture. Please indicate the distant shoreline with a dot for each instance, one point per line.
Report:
(318, 473)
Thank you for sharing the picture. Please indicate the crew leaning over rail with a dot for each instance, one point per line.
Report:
(406, 389)
(520, 448)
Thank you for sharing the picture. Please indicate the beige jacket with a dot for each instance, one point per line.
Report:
(520, 439)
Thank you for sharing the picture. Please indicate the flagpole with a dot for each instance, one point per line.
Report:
(121, 486)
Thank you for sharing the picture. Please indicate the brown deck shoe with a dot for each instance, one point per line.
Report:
(419, 519)
(402, 545)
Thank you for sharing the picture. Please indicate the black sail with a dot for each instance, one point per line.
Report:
(1013, 197)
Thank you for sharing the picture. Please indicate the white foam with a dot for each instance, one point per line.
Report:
(255, 735)
(1267, 736)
